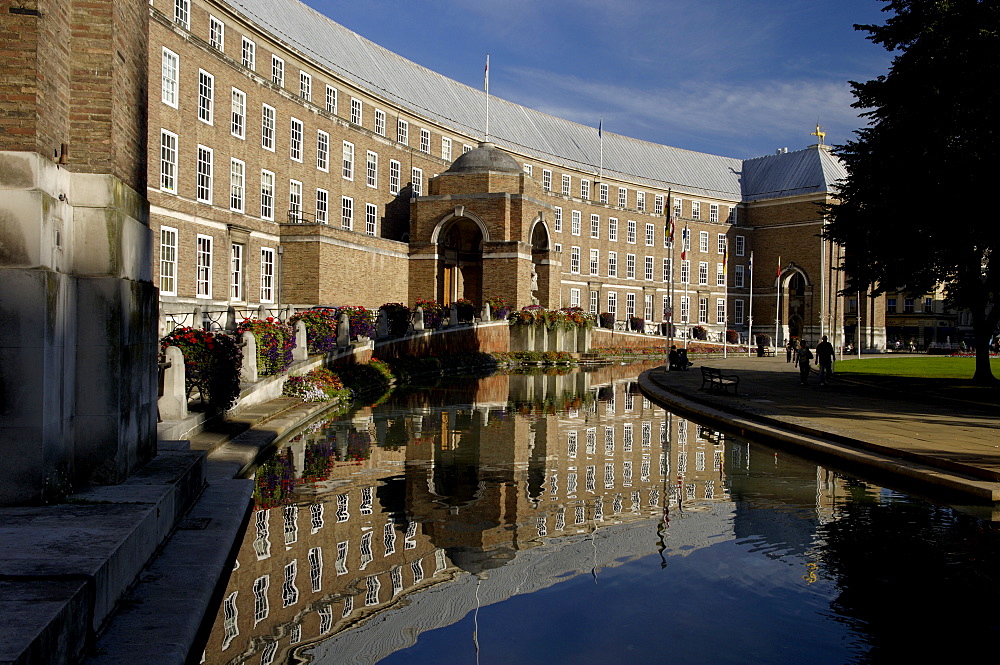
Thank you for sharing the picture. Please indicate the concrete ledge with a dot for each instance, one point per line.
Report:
(816, 441)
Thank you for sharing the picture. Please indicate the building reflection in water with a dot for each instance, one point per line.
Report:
(439, 501)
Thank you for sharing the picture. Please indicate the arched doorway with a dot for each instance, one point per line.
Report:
(460, 262)
(541, 268)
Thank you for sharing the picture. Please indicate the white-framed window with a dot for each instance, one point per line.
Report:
(305, 86)
(630, 266)
(446, 148)
(595, 226)
(248, 51)
(665, 303)
(574, 260)
(546, 180)
(648, 272)
(289, 592)
(685, 309)
(713, 212)
(640, 201)
(613, 303)
(356, 110)
(678, 207)
(650, 234)
(294, 201)
(739, 277)
(741, 245)
(267, 123)
(347, 162)
(574, 297)
(666, 269)
(703, 273)
(575, 222)
(630, 237)
(237, 185)
(204, 183)
(557, 247)
(584, 189)
(594, 301)
(720, 274)
(686, 240)
(182, 13)
(322, 151)
(371, 169)
(168, 261)
(425, 141)
(236, 272)
(203, 266)
(732, 214)
(603, 192)
(347, 213)
(331, 100)
(371, 219)
(402, 132)
(720, 310)
(703, 241)
(216, 33)
(622, 197)
(277, 71)
(557, 219)
(722, 243)
(417, 180)
(595, 259)
(169, 75)
(738, 312)
(266, 274)
(266, 194)
(613, 229)
(295, 140)
(696, 210)
(702, 310)
(685, 272)
(168, 161)
(566, 184)
(647, 307)
(206, 96)
(658, 204)
(630, 305)
(239, 116)
(612, 264)
(380, 122)
(528, 169)
(394, 176)
(322, 206)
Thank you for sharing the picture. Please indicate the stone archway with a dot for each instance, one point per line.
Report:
(542, 272)
(460, 261)
(795, 294)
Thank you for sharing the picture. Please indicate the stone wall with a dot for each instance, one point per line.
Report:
(480, 337)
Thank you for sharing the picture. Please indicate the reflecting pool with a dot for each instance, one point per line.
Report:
(565, 519)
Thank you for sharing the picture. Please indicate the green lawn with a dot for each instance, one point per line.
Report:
(929, 367)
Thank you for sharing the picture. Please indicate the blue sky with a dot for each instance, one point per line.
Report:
(731, 77)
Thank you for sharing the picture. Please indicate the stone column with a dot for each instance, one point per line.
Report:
(301, 349)
(172, 404)
(249, 374)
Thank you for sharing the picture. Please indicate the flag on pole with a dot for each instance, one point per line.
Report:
(751, 262)
(486, 75)
(778, 274)
(725, 262)
(670, 217)
(684, 241)
(600, 128)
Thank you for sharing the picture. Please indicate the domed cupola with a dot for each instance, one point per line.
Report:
(486, 158)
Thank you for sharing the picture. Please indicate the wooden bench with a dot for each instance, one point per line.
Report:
(714, 380)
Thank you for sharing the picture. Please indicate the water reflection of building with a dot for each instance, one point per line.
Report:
(558, 459)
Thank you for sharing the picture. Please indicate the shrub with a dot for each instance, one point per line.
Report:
(699, 332)
(637, 323)
(275, 342)
(212, 364)
(732, 336)
(607, 320)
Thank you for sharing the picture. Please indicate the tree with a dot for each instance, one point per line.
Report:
(910, 211)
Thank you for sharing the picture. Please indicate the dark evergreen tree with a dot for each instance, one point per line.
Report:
(916, 207)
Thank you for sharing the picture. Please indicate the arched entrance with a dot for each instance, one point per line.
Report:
(541, 267)
(460, 262)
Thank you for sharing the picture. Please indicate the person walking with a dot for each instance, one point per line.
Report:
(824, 358)
(788, 351)
(804, 356)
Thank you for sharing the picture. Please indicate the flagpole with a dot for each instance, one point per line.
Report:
(600, 135)
(486, 83)
(777, 309)
(684, 240)
(750, 339)
(670, 274)
(725, 300)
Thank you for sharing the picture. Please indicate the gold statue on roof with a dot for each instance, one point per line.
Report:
(819, 133)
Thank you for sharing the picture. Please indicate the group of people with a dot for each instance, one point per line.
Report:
(801, 356)
(678, 359)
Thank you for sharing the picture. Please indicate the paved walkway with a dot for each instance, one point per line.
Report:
(956, 442)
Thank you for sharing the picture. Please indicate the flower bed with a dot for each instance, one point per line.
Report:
(360, 320)
(319, 385)
(212, 364)
(321, 329)
(397, 317)
(433, 313)
(275, 342)
(499, 307)
(569, 318)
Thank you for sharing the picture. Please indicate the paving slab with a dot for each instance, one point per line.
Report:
(951, 437)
